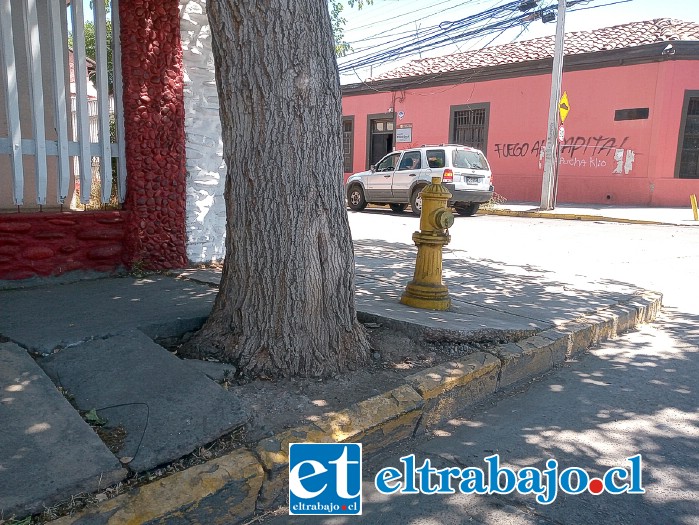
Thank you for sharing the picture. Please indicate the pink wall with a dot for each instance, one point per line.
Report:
(517, 131)
(666, 190)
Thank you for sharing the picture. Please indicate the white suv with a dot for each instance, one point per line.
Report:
(399, 177)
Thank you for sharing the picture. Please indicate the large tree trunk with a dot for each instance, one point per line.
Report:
(286, 302)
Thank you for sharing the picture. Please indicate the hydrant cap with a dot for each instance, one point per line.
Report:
(444, 218)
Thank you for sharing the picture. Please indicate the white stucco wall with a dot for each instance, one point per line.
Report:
(206, 170)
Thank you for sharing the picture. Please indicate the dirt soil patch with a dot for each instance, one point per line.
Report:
(277, 405)
(114, 437)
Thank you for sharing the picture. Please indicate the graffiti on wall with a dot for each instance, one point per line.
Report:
(597, 152)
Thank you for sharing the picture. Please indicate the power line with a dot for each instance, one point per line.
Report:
(408, 13)
(497, 19)
(385, 33)
(486, 22)
(596, 6)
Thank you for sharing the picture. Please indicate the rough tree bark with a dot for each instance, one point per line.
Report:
(286, 301)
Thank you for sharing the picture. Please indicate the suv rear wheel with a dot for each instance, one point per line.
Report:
(355, 198)
(416, 201)
(467, 210)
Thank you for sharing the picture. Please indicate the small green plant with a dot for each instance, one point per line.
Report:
(138, 268)
(94, 419)
(70, 397)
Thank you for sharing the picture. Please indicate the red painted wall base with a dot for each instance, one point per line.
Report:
(47, 244)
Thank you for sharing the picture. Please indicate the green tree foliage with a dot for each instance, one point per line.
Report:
(338, 23)
(91, 50)
(91, 45)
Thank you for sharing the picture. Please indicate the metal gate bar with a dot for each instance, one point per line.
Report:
(58, 20)
(80, 76)
(36, 88)
(103, 100)
(118, 101)
(12, 101)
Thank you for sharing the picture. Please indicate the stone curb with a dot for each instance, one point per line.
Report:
(236, 485)
(569, 216)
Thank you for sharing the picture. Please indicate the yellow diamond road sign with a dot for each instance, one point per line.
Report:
(564, 107)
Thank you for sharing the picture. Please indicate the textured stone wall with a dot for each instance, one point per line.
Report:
(154, 119)
(206, 170)
(44, 244)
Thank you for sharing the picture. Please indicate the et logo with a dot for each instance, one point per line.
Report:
(325, 478)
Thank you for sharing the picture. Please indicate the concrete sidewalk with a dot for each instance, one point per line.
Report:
(682, 216)
(93, 340)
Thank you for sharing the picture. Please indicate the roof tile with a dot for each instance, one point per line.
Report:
(604, 39)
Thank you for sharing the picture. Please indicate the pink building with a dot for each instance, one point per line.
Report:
(631, 136)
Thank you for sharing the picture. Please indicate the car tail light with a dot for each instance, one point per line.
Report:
(448, 176)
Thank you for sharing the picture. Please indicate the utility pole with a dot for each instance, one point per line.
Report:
(551, 159)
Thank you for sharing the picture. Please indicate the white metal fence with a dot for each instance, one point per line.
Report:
(94, 124)
(35, 62)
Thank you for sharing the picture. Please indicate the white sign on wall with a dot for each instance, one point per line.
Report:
(404, 133)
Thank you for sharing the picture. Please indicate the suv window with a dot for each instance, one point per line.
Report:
(388, 163)
(462, 158)
(436, 158)
(411, 161)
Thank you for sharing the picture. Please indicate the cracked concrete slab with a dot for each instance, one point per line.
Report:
(47, 451)
(161, 306)
(167, 407)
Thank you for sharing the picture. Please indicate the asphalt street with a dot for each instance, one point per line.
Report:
(633, 395)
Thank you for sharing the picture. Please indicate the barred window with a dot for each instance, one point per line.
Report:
(469, 125)
(632, 114)
(348, 143)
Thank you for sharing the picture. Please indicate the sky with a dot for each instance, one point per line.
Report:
(385, 16)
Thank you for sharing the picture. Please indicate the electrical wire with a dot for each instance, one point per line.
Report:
(496, 19)
(486, 22)
(407, 13)
(603, 5)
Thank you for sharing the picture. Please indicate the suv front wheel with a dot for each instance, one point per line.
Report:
(416, 201)
(355, 198)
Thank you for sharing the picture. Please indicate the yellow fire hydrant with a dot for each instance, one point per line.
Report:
(427, 290)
